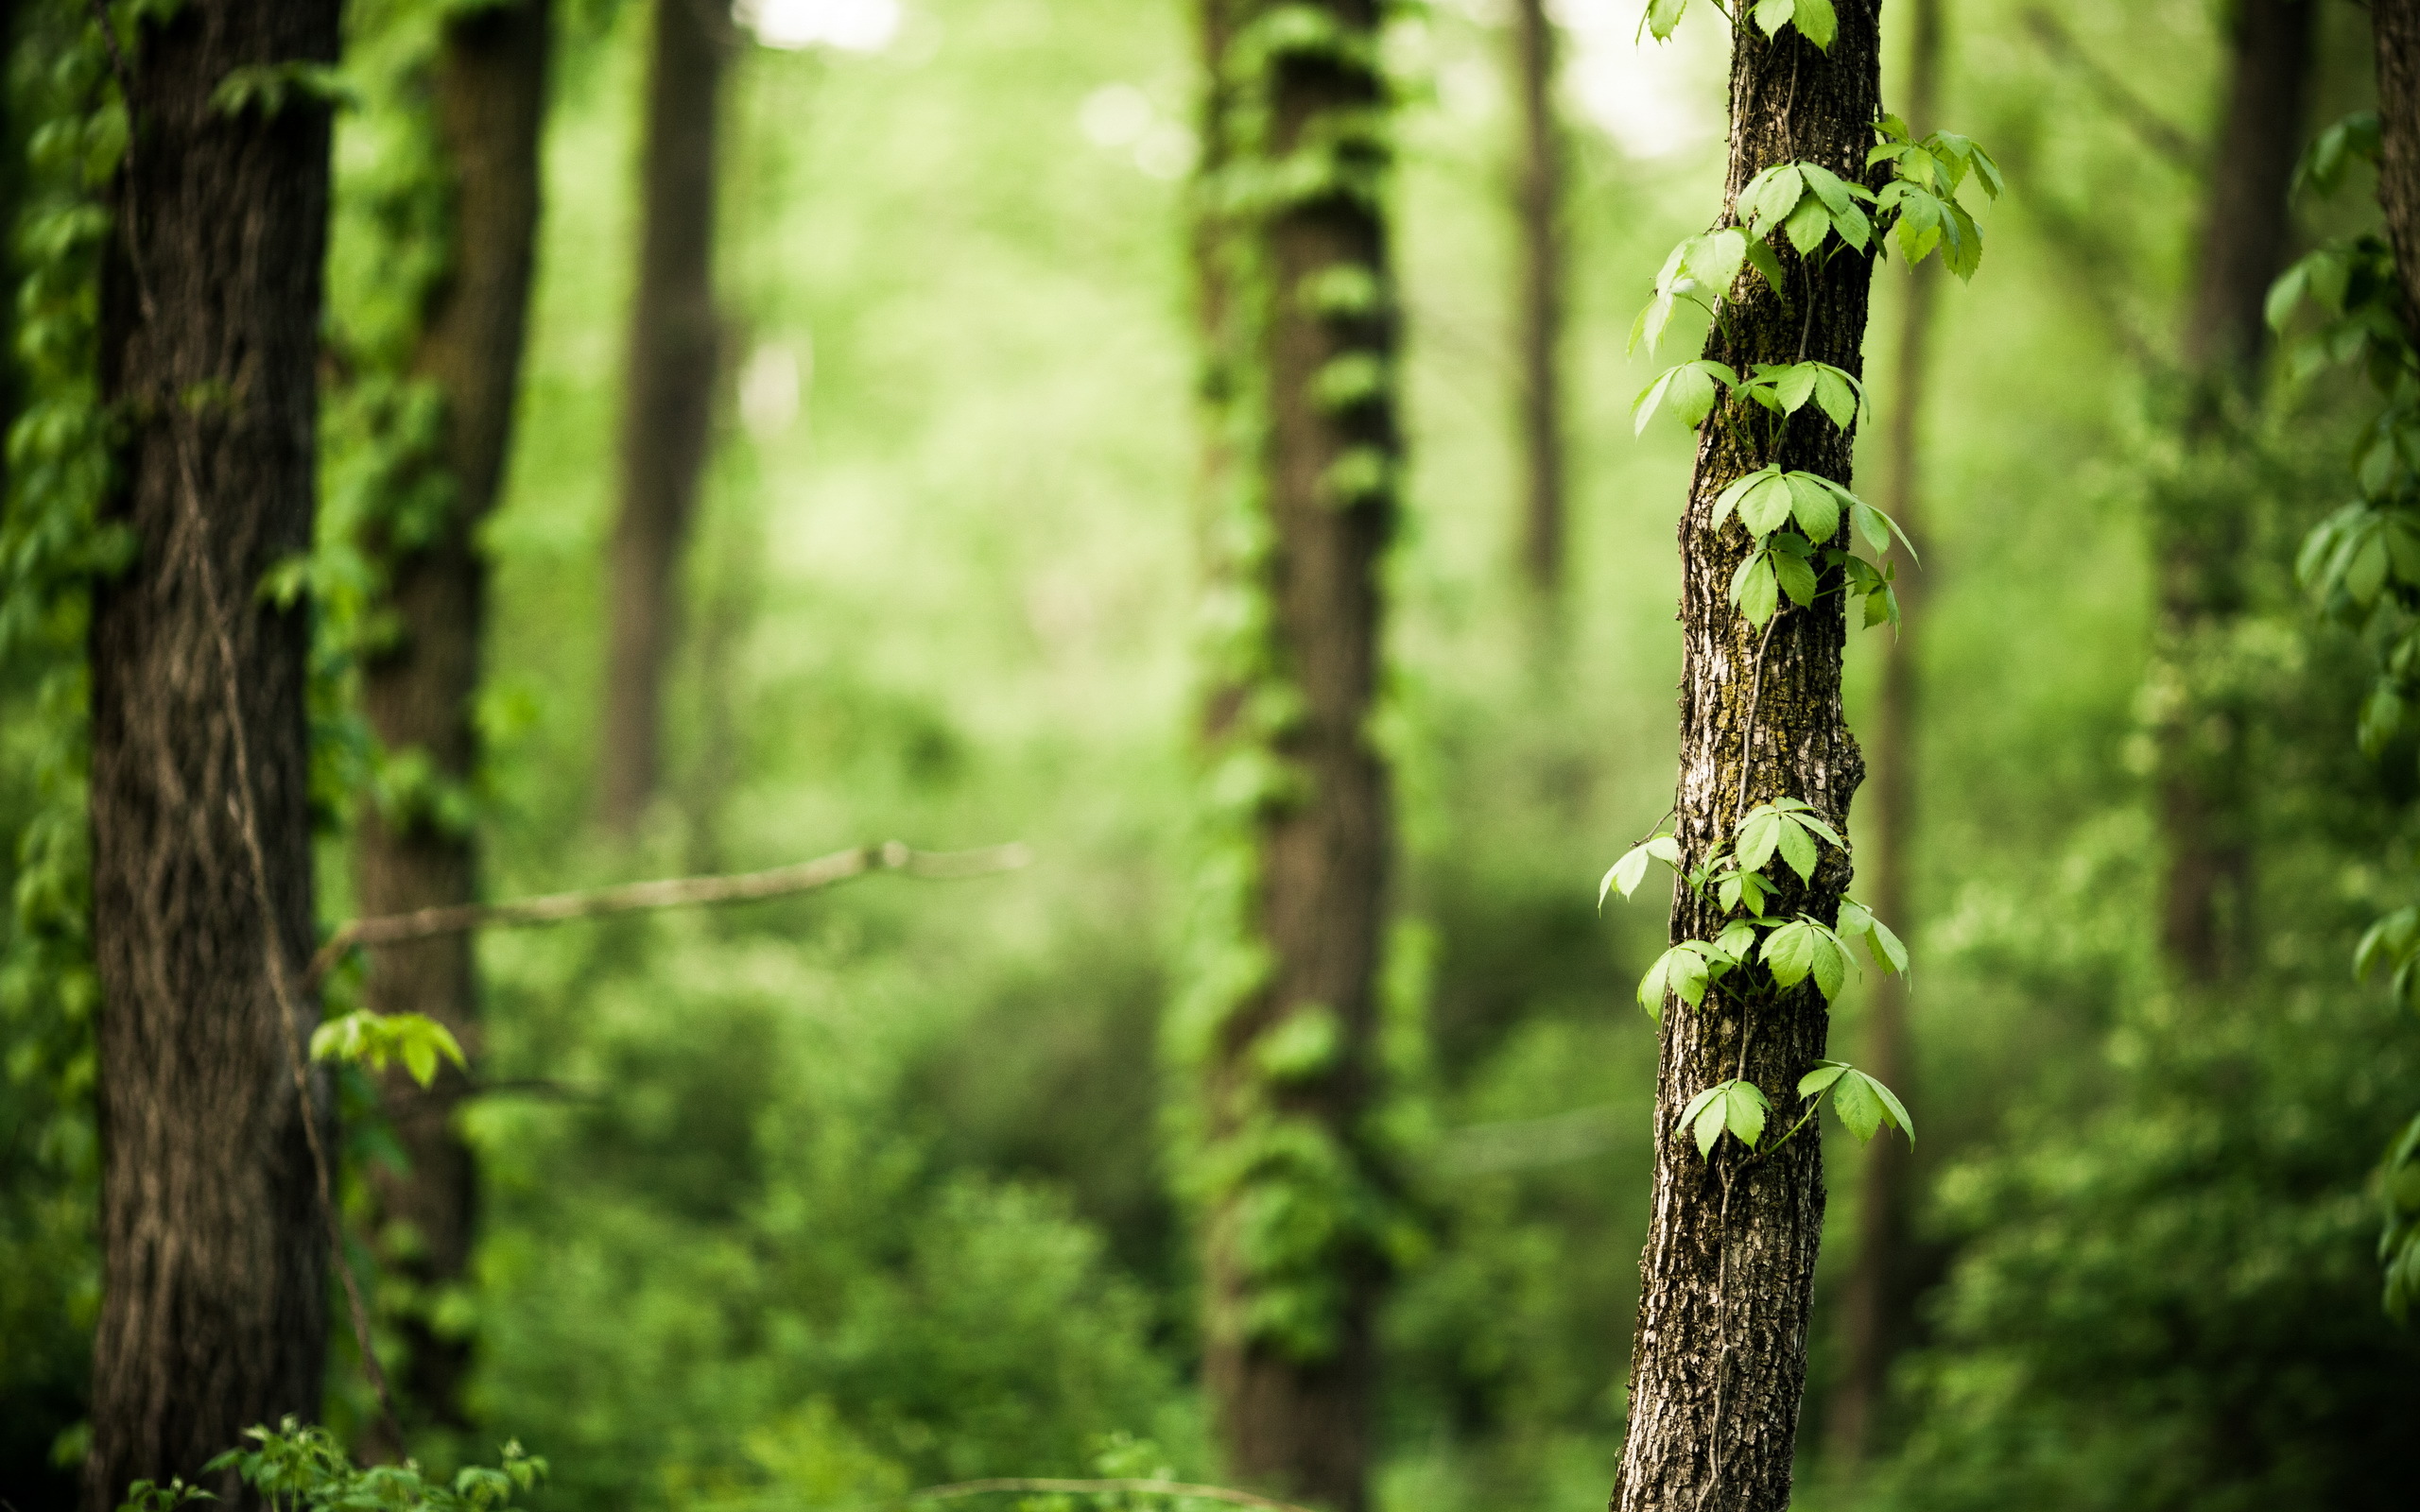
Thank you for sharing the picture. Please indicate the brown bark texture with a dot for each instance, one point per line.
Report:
(2202, 525)
(214, 1256)
(1877, 1305)
(1302, 1427)
(2395, 28)
(1538, 208)
(420, 689)
(1217, 552)
(667, 404)
(1720, 1357)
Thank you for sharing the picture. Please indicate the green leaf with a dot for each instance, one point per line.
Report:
(420, 1059)
(1831, 963)
(1767, 504)
(1794, 385)
(1817, 22)
(1663, 15)
(1756, 590)
(1853, 1099)
(1789, 951)
(1704, 1116)
(1825, 1074)
(1813, 506)
(1898, 1111)
(1807, 226)
(1774, 195)
(1729, 498)
(1759, 833)
(1797, 576)
(1642, 409)
(1714, 259)
(1834, 395)
(1798, 848)
(1744, 1106)
(1627, 873)
(1761, 257)
(1772, 15)
(1827, 187)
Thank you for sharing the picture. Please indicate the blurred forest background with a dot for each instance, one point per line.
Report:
(800, 1203)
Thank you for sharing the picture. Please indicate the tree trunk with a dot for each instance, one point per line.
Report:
(1877, 1306)
(420, 688)
(668, 402)
(2202, 525)
(2396, 26)
(1538, 203)
(214, 1256)
(1293, 1060)
(1720, 1354)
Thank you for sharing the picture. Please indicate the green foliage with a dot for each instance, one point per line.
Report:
(372, 1040)
(298, 1469)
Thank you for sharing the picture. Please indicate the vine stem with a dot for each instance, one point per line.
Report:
(1748, 720)
(195, 531)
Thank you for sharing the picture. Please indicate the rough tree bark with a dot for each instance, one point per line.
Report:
(1302, 1426)
(1877, 1303)
(2395, 27)
(1720, 1358)
(2202, 527)
(667, 403)
(1538, 207)
(418, 690)
(214, 1256)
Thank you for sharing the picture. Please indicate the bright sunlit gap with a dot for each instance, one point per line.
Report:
(855, 26)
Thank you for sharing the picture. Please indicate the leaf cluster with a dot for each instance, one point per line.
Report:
(372, 1040)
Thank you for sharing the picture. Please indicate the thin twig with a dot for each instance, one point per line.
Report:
(671, 892)
(1138, 1487)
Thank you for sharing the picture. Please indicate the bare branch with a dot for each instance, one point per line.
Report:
(671, 892)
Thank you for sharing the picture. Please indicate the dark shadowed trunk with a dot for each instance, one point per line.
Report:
(1538, 205)
(667, 400)
(2396, 26)
(1218, 555)
(1294, 1062)
(419, 688)
(1720, 1358)
(2202, 524)
(1877, 1307)
(214, 1302)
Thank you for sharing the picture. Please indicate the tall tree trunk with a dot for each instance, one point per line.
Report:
(1720, 1354)
(2395, 27)
(2202, 525)
(1295, 1267)
(1538, 203)
(1877, 1307)
(1217, 551)
(214, 1256)
(420, 689)
(668, 402)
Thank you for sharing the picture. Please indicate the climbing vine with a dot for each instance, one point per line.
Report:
(2362, 564)
(1803, 530)
(1302, 1204)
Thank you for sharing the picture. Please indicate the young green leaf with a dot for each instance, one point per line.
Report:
(1834, 395)
(1789, 953)
(1825, 1074)
(1704, 1115)
(1817, 22)
(1761, 257)
(1744, 1106)
(1663, 15)
(1813, 506)
(1759, 836)
(1808, 225)
(1795, 573)
(1714, 259)
(1766, 505)
(1729, 498)
(1798, 848)
(1794, 385)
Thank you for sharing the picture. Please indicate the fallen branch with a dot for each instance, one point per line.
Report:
(671, 892)
(1139, 1487)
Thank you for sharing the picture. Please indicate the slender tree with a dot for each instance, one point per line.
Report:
(2201, 521)
(1538, 294)
(420, 686)
(213, 1304)
(668, 399)
(2395, 27)
(1879, 1301)
(1302, 349)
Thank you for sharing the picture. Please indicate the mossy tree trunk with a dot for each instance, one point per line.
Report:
(1720, 1357)
(420, 689)
(667, 404)
(2395, 28)
(1294, 1260)
(214, 1252)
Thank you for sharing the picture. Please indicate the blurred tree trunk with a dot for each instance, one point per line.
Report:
(2202, 525)
(1877, 1307)
(421, 689)
(1218, 555)
(2395, 27)
(667, 403)
(1538, 203)
(1293, 1069)
(1719, 1359)
(214, 1255)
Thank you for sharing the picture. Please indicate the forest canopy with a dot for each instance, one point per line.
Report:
(855, 754)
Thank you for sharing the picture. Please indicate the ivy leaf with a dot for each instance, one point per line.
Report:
(1798, 850)
(1834, 395)
(1789, 951)
(1729, 499)
(1794, 385)
(1881, 604)
(1663, 15)
(1774, 195)
(1704, 1117)
(1825, 1074)
(1714, 259)
(1761, 257)
(1812, 506)
(1796, 577)
(1744, 1106)
(1831, 963)
(1736, 937)
(1759, 833)
(1817, 22)
(1764, 507)
(1827, 187)
(1865, 1105)
(1627, 873)
(1807, 226)
(1756, 590)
